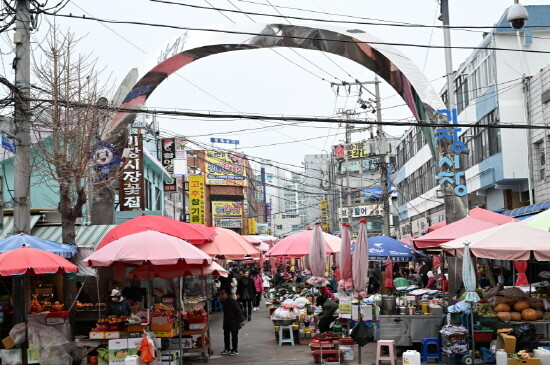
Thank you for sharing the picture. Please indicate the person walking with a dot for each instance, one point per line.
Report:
(266, 280)
(233, 321)
(259, 286)
(246, 293)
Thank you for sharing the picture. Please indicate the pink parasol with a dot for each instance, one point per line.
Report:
(317, 256)
(521, 267)
(150, 247)
(360, 259)
(389, 274)
(230, 245)
(297, 245)
(345, 259)
(31, 261)
(175, 271)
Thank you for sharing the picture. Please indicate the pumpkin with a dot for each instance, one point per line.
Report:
(521, 305)
(516, 316)
(504, 316)
(501, 308)
(540, 314)
(529, 314)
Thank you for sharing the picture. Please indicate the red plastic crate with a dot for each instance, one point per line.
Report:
(483, 336)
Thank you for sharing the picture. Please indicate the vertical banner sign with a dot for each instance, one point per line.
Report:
(452, 176)
(131, 191)
(196, 199)
(268, 213)
(324, 216)
(180, 162)
(167, 158)
(252, 226)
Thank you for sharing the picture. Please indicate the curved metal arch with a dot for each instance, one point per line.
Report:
(367, 50)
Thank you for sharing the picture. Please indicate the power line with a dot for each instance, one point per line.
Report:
(286, 36)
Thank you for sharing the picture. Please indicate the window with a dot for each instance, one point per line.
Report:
(295, 227)
(540, 158)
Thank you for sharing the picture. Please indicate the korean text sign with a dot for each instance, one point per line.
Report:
(131, 182)
(196, 199)
(225, 168)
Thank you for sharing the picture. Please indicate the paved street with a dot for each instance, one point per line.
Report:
(257, 345)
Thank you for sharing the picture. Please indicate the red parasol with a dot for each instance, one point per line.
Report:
(521, 267)
(345, 258)
(317, 257)
(389, 274)
(360, 260)
(229, 244)
(193, 233)
(31, 261)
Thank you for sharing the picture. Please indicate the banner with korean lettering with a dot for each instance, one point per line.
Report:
(252, 226)
(353, 150)
(167, 159)
(225, 168)
(361, 211)
(324, 215)
(131, 191)
(196, 199)
(227, 214)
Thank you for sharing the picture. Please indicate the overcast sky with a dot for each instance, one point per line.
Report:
(264, 81)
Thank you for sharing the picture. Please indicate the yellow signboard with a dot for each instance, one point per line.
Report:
(225, 168)
(252, 227)
(352, 150)
(227, 214)
(196, 199)
(324, 216)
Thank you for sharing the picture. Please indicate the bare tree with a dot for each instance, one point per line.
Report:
(69, 118)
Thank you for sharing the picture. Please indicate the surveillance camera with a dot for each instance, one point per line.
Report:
(517, 16)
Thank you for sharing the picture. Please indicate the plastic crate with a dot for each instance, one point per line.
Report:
(488, 319)
(484, 336)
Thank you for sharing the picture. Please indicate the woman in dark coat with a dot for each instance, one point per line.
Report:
(246, 292)
(233, 320)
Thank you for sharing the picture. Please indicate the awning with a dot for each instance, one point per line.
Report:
(530, 209)
(8, 226)
(86, 236)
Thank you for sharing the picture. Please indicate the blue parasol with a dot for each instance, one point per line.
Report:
(19, 240)
(382, 247)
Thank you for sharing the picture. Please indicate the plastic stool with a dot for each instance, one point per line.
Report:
(390, 344)
(286, 340)
(426, 354)
(217, 306)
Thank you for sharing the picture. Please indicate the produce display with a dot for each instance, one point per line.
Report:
(111, 323)
(45, 306)
(519, 309)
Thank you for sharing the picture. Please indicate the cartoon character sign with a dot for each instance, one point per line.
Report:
(104, 156)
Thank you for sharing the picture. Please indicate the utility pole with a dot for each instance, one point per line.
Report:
(456, 207)
(22, 168)
(386, 192)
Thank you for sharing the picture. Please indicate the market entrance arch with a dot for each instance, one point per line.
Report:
(354, 44)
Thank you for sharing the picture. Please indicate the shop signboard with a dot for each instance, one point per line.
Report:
(344, 306)
(361, 211)
(196, 199)
(167, 159)
(228, 214)
(324, 215)
(252, 226)
(352, 150)
(268, 213)
(131, 183)
(180, 160)
(225, 168)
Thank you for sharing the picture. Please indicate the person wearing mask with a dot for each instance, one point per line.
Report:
(118, 306)
(259, 286)
(246, 292)
(233, 321)
(326, 317)
(266, 280)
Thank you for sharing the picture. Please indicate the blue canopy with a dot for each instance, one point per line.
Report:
(382, 247)
(19, 240)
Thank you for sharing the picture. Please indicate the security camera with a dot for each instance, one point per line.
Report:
(517, 16)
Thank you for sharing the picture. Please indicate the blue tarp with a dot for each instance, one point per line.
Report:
(19, 240)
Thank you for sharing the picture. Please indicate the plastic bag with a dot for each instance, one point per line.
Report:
(526, 335)
(487, 356)
(362, 334)
(147, 348)
(55, 349)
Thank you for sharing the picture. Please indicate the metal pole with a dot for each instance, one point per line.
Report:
(383, 164)
(21, 210)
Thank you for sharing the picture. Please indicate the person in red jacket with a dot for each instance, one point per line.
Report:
(259, 285)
